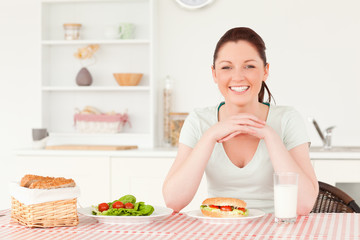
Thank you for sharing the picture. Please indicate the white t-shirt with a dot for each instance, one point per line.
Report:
(254, 182)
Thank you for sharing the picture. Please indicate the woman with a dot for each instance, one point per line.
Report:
(242, 141)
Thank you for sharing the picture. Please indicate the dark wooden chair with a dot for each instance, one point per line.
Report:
(333, 200)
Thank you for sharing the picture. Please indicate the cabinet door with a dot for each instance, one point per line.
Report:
(91, 174)
(337, 171)
(143, 178)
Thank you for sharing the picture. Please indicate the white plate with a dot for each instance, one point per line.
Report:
(158, 214)
(253, 214)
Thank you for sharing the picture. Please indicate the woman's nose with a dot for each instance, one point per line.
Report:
(239, 73)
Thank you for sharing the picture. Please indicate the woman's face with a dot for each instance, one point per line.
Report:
(239, 72)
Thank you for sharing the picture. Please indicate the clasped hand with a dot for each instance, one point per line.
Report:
(242, 123)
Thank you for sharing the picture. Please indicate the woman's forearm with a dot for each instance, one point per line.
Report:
(184, 178)
(283, 161)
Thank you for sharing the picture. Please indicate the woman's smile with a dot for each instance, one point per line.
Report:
(239, 89)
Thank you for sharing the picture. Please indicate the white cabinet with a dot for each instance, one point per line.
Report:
(60, 94)
(141, 177)
(91, 174)
(104, 177)
(342, 173)
(334, 171)
(144, 177)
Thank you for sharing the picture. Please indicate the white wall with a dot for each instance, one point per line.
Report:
(19, 82)
(313, 51)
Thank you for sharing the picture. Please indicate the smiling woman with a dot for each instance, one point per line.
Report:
(242, 141)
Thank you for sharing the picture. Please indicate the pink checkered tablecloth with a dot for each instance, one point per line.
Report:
(180, 226)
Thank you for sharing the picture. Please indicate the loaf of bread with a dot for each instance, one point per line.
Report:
(40, 182)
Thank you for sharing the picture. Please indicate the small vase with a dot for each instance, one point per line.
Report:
(83, 78)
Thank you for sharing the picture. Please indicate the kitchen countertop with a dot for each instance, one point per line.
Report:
(316, 153)
(143, 152)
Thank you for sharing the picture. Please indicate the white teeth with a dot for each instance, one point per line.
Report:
(239, 89)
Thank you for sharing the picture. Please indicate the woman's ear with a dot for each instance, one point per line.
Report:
(213, 73)
(266, 72)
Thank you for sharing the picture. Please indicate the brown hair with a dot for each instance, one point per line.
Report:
(249, 35)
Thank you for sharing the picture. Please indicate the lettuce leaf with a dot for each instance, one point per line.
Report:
(127, 198)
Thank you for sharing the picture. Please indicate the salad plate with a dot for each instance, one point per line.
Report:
(253, 214)
(158, 214)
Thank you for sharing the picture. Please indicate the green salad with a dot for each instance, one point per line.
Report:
(124, 206)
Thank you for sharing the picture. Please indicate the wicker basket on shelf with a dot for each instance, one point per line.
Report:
(62, 213)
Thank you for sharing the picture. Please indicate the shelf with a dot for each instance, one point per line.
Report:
(76, 134)
(95, 41)
(95, 89)
(59, 93)
(88, 1)
(139, 139)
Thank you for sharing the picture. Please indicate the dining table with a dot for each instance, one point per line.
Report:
(182, 226)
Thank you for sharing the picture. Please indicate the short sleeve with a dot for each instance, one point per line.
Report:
(294, 129)
(190, 132)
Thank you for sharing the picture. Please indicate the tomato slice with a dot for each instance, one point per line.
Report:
(129, 205)
(214, 206)
(242, 209)
(103, 207)
(118, 204)
(225, 208)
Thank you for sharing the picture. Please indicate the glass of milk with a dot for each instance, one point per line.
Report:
(285, 196)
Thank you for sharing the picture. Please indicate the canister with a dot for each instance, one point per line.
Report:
(72, 31)
(177, 120)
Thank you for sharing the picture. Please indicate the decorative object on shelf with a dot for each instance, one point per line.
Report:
(177, 120)
(193, 4)
(91, 120)
(40, 137)
(84, 78)
(128, 79)
(126, 30)
(112, 32)
(72, 31)
(167, 109)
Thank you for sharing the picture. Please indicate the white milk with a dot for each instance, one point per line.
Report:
(285, 200)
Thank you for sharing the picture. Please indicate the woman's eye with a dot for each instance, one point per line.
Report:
(225, 67)
(249, 66)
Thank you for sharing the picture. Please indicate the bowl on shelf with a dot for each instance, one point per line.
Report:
(128, 79)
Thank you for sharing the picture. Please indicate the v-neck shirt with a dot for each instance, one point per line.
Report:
(254, 182)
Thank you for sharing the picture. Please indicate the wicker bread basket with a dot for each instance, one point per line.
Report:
(61, 213)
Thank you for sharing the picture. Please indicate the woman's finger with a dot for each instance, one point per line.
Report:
(248, 122)
(248, 116)
(244, 130)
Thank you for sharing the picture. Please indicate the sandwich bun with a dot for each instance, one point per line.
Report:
(221, 201)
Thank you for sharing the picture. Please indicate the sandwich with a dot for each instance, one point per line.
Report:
(221, 207)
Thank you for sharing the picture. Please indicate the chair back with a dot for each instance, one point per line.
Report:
(333, 200)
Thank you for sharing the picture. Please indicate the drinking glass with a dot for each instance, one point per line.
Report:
(285, 196)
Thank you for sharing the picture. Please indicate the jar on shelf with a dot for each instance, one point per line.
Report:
(167, 109)
(72, 31)
(177, 120)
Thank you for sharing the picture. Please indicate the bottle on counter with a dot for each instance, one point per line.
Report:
(168, 91)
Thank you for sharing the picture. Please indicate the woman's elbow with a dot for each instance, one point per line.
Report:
(172, 203)
(307, 206)
(304, 210)
(171, 200)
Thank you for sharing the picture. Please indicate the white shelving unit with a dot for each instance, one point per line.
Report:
(60, 94)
